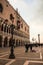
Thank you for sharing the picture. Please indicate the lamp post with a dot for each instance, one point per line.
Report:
(33, 39)
(12, 56)
(39, 38)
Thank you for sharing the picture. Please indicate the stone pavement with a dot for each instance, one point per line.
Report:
(22, 58)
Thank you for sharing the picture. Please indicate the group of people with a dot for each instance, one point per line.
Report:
(28, 46)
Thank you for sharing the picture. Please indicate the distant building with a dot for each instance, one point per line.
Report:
(21, 31)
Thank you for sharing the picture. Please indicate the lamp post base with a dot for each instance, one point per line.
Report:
(12, 56)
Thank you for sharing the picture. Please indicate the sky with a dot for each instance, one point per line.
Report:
(32, 12)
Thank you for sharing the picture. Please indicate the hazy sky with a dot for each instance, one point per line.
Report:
(32, 13)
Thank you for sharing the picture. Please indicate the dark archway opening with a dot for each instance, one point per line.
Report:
(16, 42)
(5, 41)
(1, 40)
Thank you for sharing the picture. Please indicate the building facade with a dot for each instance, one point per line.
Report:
(21, 31)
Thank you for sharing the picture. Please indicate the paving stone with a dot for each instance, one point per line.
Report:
(35, 63)
(3, 62)
(6, 57)
(29, 55)
(21, 56)
(18, 62)
(4, 49)
(42, 57)
(1, 54)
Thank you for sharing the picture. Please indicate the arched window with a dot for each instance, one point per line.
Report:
(1, 20)
(5, 26)
(1, 23)
(18, 24)
(2, 27)
(25, 28)
(1, 8)
(11, 18)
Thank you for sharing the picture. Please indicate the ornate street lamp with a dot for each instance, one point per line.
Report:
(12, 56)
